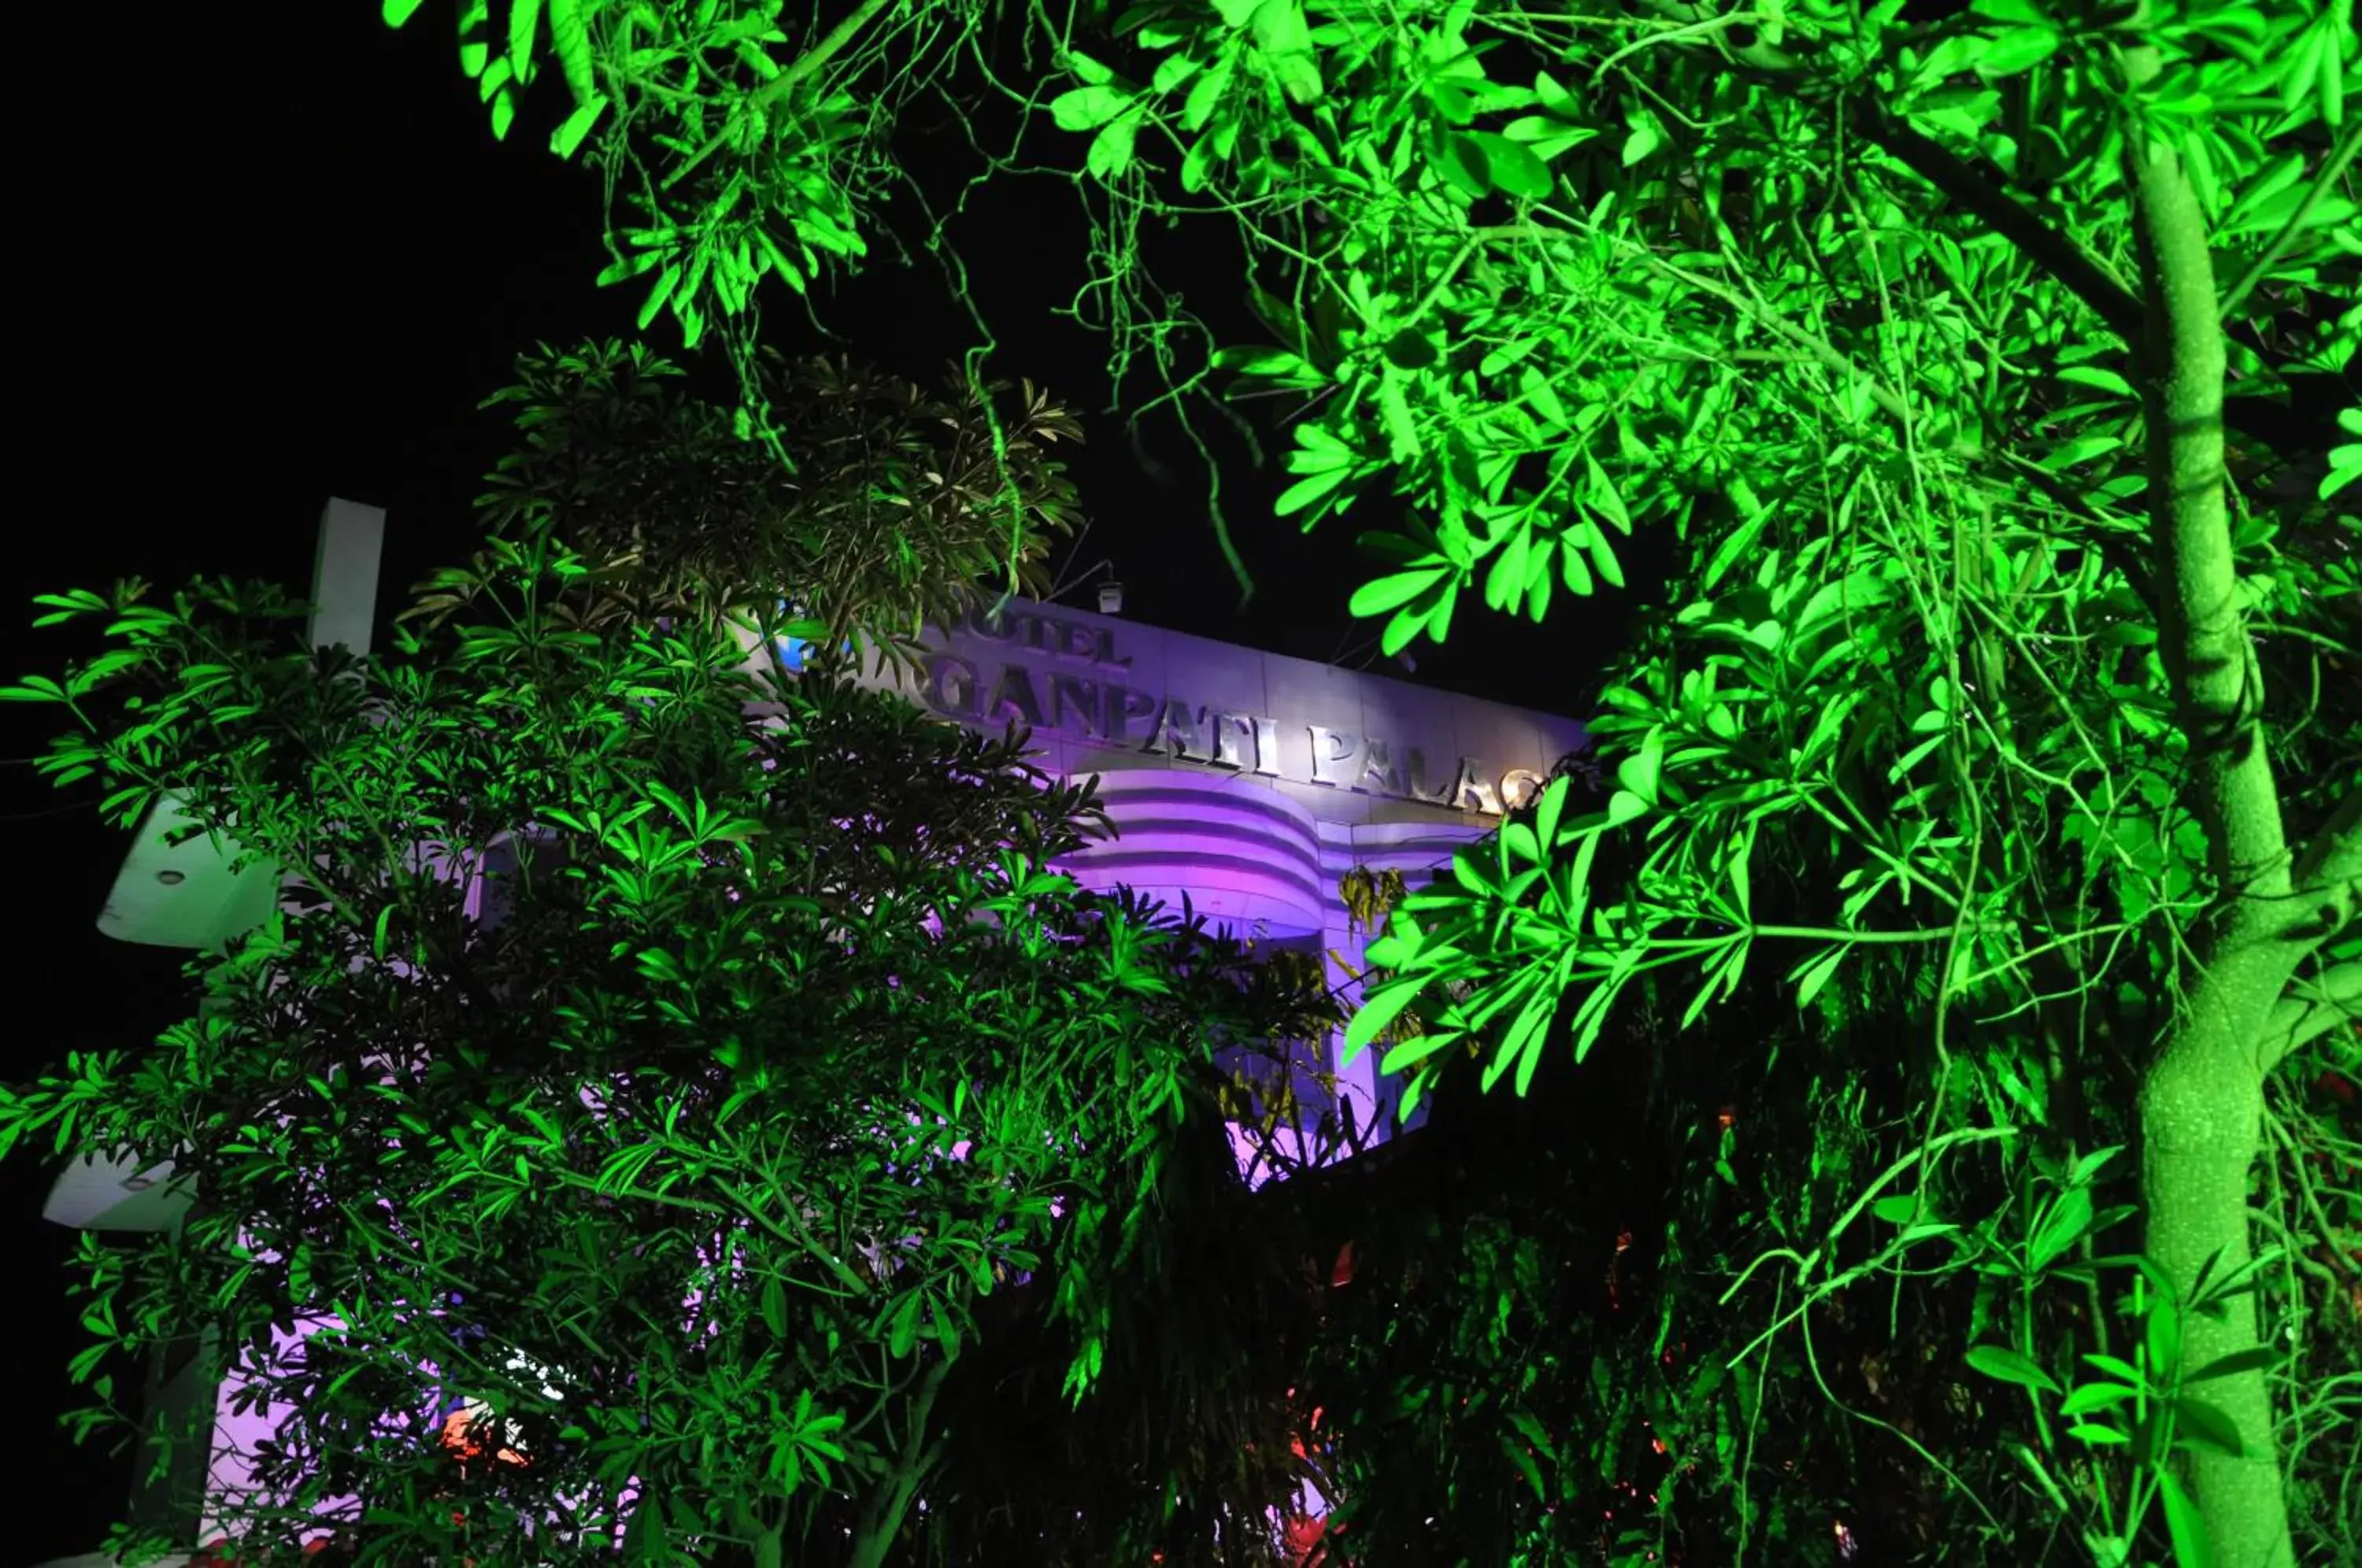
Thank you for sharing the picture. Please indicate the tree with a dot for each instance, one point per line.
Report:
(1979, 368)
(895, 508)
(656, 1068)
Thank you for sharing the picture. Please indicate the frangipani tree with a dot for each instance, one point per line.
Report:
(1981, 369)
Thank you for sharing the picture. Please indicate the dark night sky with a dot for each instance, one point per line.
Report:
(266, 263)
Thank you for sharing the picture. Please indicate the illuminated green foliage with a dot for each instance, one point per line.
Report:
(897, 511)
(686, 1089)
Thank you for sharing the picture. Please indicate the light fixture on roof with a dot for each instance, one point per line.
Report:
(1111, 598)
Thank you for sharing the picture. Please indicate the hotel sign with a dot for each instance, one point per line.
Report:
(1066, 678)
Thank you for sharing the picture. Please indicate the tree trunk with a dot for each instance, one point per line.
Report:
(2201, 1119)
(2200, 1104)
(881, 1516)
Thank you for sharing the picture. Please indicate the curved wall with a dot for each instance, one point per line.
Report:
(1246, 858)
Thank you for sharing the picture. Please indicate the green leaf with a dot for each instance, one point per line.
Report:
(2203, 1425)
(1814, 973)
(1537, 390)
(1285, 42)
(1603, 556)
(2063, 1224)
(666, 281)
(1575, 571)
(1642, 771)
(1408, 624)
(1402, 429)
(2091, 1165)
(1525, 1463)
(1305, 492)
(2051, 1488)
(2007, 1365)
(1644, 138)
(524, 23)
(1411, 350)
(2184, 1525)
(1087, 108)
(1378, 1010)
(397, 12)
(1403, 1056)
(1458, 159)
(2093, 376)
(503, 114)
(1392, 592)
(33, 689)
(629, 266)
(1547, 136)
(1514, 167)
(1601, 494)
(903, 1334)
(2087, 1398)
(1532, 1030)
(571, 40)
(2250, 1360)
(2115, 1366)
(1085, 69)
(1735, 543)
(1900, 1209)
(575, 126)
(2080, 450)
(1110, 151)
(2020, 48)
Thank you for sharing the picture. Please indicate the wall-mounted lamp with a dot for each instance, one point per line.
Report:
(1111, 598)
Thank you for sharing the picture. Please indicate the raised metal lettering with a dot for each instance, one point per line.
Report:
(1074, 704)
(952, 686)
(1475, 781)
(1013, 697)
(1266, 737)
(1329, 750)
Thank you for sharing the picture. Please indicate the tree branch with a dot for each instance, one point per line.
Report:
(785, 82)
(2083, 274)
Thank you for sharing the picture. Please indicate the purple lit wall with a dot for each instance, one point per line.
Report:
(1249, 782)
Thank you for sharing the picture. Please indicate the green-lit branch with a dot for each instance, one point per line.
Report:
(791, 76)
